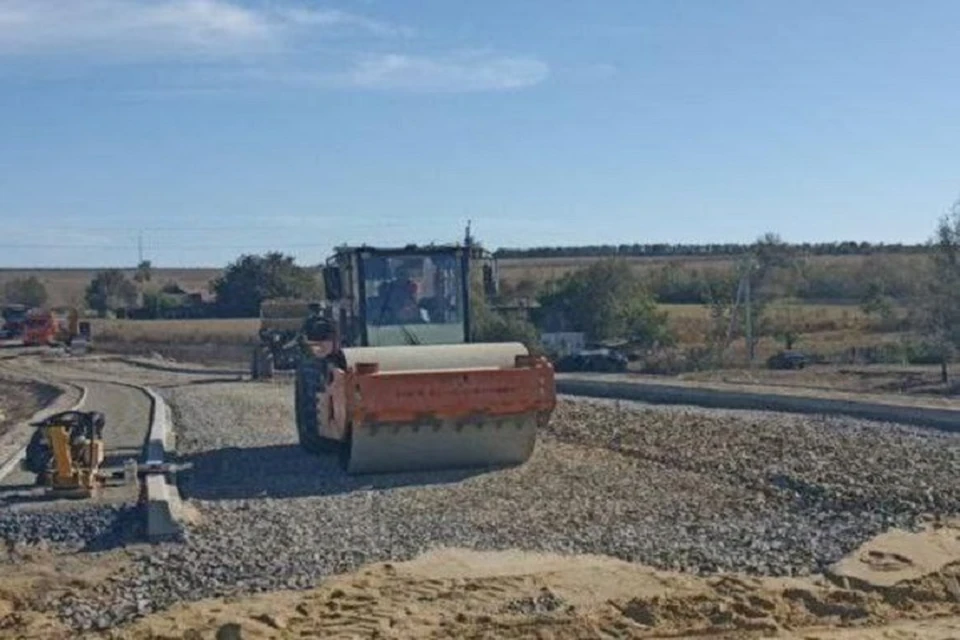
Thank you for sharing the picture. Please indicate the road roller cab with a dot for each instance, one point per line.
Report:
(389, 379)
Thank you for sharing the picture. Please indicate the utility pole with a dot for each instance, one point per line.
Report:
(743, 296)
(139, 248)
(749, 314)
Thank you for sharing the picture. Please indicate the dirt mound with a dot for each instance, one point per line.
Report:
(33, 580)
(454, 593)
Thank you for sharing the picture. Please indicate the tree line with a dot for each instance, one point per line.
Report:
(845, 248)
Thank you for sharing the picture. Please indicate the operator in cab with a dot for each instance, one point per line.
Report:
(402, 300)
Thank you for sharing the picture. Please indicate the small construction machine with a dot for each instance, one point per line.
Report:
(281, 321)
(68, 455)
(389, 380)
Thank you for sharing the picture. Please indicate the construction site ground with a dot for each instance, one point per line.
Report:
(127, 410)
(630, 520)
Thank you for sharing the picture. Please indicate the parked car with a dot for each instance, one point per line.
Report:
(788, 360)
(606, 360)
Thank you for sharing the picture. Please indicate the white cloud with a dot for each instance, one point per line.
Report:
(464, 72)
(165, 27)
(452, 73)
(276, 41)
(337, 18)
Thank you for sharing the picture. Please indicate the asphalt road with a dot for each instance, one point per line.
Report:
(127, 412)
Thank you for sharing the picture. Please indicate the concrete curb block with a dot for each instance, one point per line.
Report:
(10, 464)
(940, 419)
(160, 437)
(163, 504)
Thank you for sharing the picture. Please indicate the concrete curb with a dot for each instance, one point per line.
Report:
(12, 462)
(940, 419)
(163, 504)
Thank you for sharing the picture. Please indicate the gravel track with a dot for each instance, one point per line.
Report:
(679, 488)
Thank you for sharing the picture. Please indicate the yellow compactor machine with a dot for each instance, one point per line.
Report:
(68, 456)
(390, 380)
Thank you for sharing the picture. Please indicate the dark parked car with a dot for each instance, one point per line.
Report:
(788, 360)
(607, 360)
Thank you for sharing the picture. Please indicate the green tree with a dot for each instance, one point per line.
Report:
(940, 302)
(144, 272)
(29, 291)
(719, 294)
(608, 300)
(110, 289)
(489, 325)
(157, 303)
(252, 279)
(172, 288)
(875, 301)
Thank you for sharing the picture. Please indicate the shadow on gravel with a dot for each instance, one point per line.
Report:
(127, 527)
(287, 471)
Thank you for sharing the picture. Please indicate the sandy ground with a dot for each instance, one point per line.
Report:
(899, 585)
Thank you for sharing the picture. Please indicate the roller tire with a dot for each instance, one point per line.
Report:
(266, 364)
(255, 365)
(305, 400)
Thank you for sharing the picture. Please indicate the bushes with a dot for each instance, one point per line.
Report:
(497, 327)
(607, 300)
(252, 279)
(28, 291)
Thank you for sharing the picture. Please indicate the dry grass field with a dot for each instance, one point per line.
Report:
(826, 330)
(823, 328)
(209, 341)
(218, 331)
(67, 286)
(541, 270)
(691, 322)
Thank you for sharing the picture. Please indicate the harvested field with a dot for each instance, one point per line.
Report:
(67, 286)
(207, 341)
(542, 269)
(205, 331)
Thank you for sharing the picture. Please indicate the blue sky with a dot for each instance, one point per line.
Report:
(215, 127)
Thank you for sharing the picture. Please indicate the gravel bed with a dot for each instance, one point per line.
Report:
(679, 488)
(86, 528)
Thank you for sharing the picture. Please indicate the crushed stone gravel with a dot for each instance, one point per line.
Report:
(675, 487)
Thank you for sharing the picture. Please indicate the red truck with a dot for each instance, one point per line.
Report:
(51, 327)
(40, 328)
